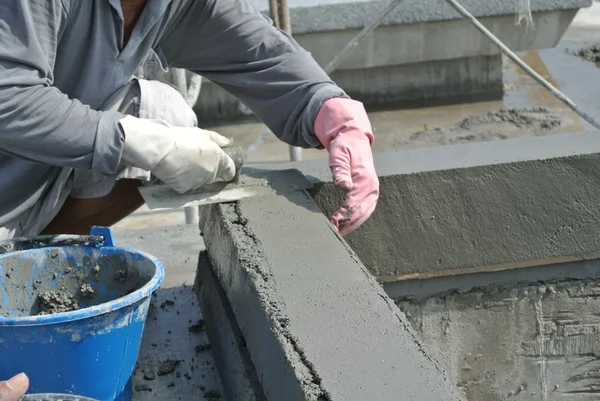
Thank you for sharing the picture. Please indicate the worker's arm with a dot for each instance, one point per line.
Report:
(233, 45)
(37, 121)
(41, 124)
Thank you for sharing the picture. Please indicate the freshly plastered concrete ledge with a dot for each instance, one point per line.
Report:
(480, 207)
(316, 324)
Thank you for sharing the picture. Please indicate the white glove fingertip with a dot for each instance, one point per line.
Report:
(227, 169)
(219, 139)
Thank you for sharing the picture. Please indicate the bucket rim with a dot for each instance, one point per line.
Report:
(96, 310)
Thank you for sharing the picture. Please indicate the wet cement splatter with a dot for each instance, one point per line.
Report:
(56, 302)
(168, 367)
(65, 284)
(589, 53)
(501, 124)
(87, 291)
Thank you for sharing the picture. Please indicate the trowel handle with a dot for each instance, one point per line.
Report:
(237, 155)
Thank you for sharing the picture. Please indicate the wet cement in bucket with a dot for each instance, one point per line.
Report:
(65, 284)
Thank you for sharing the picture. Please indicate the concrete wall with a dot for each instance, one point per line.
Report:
(424, 52)
(514, 341)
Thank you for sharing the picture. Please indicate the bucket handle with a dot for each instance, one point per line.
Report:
(99, 237)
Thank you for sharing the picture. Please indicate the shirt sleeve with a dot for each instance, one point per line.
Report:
(37, 121)
(232, 44)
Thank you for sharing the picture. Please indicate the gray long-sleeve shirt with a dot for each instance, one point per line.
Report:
(61, 59)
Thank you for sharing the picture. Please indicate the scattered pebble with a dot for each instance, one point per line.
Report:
(143, 387)
(168, 367)
(212, 394)
(166, 303)
(172, 384)
(202, 347)
(149, 375)
(196, 327)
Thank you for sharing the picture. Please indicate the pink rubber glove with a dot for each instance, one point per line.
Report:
(14, 389)
(344, 129)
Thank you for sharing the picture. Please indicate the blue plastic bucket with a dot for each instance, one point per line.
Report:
(89, 352)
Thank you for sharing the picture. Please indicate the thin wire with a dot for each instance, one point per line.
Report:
(510, 54)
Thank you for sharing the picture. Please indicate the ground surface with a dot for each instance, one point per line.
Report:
(175, 361)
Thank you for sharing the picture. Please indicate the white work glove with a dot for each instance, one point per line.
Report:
(184, 158)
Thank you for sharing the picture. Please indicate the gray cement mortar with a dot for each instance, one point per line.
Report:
(64, 286)
(308, 309)
(477, 205)
(589, 52)
(515, 342)
(501, 124)
(232, 357)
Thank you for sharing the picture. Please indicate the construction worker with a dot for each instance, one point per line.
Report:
(13, 389)
(83, 121)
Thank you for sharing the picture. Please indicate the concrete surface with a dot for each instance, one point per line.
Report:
(472, 207)
(316, 324)
(516, 340)
(239, 376)
(167, 335)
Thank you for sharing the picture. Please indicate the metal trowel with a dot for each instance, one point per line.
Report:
(252, 183)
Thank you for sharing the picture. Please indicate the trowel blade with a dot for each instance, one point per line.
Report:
(259, 184)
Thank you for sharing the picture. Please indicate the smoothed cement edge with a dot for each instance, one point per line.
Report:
(299, 380)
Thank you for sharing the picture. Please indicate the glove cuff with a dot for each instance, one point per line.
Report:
(342, 116)
(146, 142)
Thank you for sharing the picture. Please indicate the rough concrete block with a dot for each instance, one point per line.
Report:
(477, 207)
(233, 361)
(530, 340)
(316, 324)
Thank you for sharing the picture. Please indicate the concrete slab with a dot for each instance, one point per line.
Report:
(316, 324)
(173, 311)
(477, 207)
